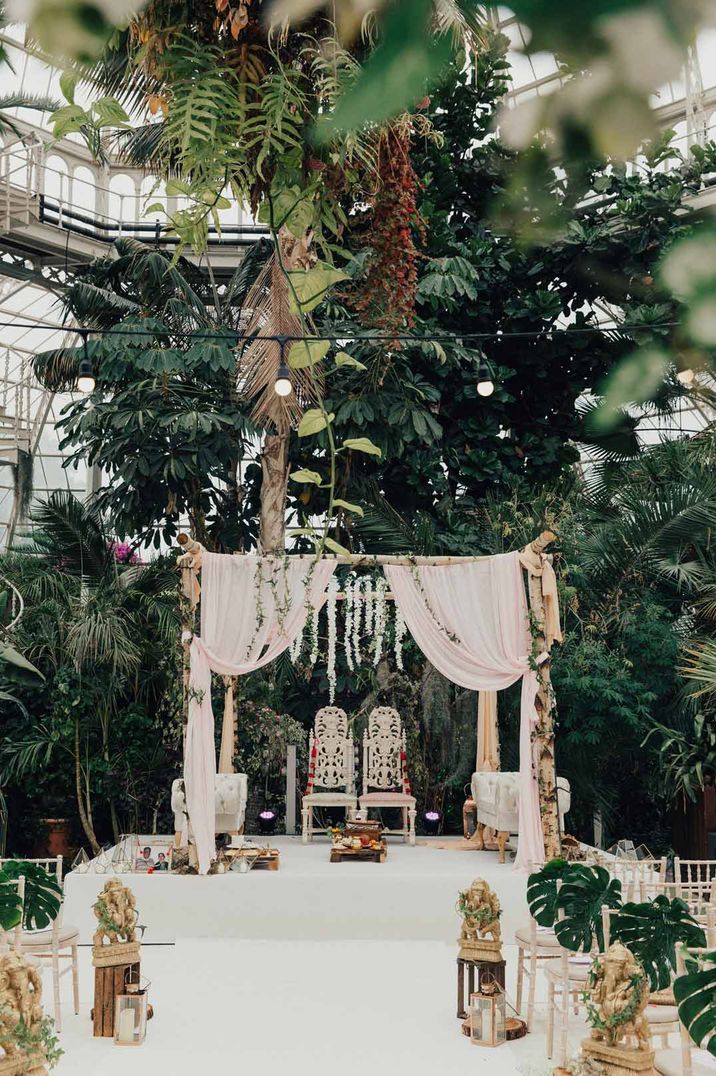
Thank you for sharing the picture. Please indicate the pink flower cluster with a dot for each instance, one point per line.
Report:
(124, 554)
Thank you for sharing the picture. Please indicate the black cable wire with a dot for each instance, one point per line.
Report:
(351, 337)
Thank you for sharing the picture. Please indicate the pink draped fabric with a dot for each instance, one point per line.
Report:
(252, 608)
(471, 621)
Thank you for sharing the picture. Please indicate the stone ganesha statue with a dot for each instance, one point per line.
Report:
(480, 937)
(618, 993)
(20, 1001)
(116, 913)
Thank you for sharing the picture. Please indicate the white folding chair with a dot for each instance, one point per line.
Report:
(54, 944)
(12, 938)
(692, 871)
(566, 982)
(535, 944)
(686, 1061)
(638, 877)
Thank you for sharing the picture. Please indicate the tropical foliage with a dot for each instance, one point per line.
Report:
(43, 893)
(694, 994)
(105, 636)
(652, 931)
(570, 898)
(165, 423)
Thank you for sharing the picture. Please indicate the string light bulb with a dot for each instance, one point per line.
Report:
(485, 384)
(282, 385)
(85, 375)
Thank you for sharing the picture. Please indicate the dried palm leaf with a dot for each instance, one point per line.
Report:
(258, 363)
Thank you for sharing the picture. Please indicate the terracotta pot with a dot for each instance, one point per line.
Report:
(57, 840)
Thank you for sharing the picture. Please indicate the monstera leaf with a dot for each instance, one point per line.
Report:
(43, 895)
(542, 891)
(652, 931)
(581, 896)
(695, 994)
(10, 905)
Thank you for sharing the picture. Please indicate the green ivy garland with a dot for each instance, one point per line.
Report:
(637, 985)
(481, 916)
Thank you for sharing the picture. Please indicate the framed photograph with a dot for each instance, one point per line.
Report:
(152, 855)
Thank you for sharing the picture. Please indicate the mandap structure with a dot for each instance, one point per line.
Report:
(469, 615)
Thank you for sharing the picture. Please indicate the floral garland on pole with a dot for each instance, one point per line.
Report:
(313, 622)
(399, 629)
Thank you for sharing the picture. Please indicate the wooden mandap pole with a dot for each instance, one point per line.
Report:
(543, 736)
(189, 564)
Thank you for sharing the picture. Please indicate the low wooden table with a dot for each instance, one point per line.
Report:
(373, 831)
(372, 855)
(268, 859)
(494, 968)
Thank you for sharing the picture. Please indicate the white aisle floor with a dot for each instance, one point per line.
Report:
(316, 969)
(310, 1008)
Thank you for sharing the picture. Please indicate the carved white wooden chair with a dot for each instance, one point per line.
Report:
(385, 770)
(331, 773)
(56, 943)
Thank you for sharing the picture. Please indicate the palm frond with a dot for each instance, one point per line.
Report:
(140, 147)
(70, 533)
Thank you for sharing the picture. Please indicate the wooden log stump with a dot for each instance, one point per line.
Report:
(114, 966)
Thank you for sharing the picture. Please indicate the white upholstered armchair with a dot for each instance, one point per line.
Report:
(497, 801)
(331, 774)
(385, 770)
(230, 791)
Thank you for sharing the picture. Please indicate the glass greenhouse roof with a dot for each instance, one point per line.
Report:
(34, 262)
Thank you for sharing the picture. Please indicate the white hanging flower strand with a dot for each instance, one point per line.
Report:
(379, 619)
(399, 632)
(331, 616)
(358, 612)
(369, 609)
(296, 647)
(349, 608)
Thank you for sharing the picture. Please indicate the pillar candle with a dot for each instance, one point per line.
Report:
(125, 1032)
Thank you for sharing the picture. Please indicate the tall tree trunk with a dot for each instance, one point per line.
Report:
(274, 485)
(104, 721)
(84, 819)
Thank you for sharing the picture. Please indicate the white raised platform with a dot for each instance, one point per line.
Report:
(410, 897)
